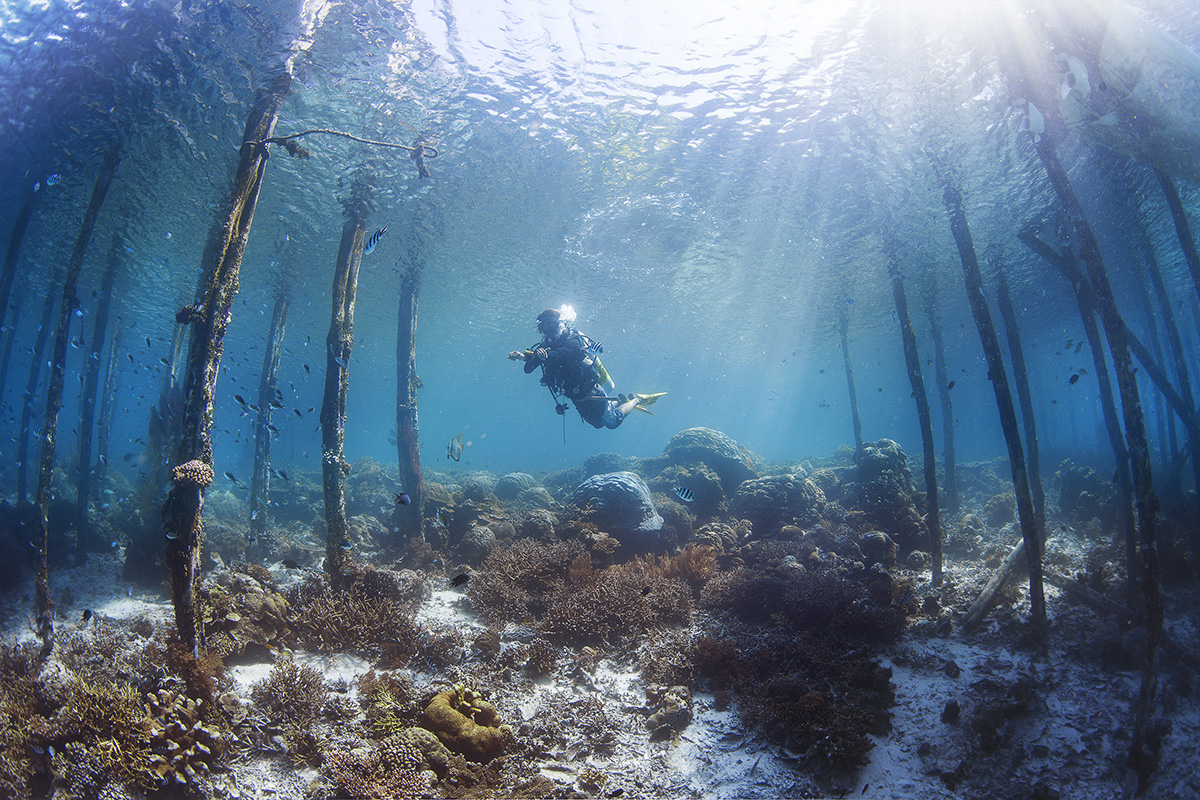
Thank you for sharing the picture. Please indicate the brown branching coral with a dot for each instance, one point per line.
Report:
(390, 702)
(18, 704)
(335, 621)
(514, 583)
(391, 771)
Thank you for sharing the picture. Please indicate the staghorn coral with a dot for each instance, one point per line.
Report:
(390, 702)
(611, 606)
(291, 694)
(513, 583)
(334, 621)
(466, 724)
(18, 706)
(668, 658)
(695, 565)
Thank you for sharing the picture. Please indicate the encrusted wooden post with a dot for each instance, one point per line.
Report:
(1004, 402)
(209, 317)
(31, 386)
(54, 389)
(260, 480)
(408, 519)
(1021, 377)
(338, 346)
(104, 424)
(933, 517)
(855, 419)
(87, 405)
(941, 375)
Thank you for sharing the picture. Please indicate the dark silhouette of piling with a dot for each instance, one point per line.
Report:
(941, 375)
(87, 405)
(31, 386)
(107, 408)
(1179, 356)
(1141, 757)
(338, 345)
(933, 521)
(6, 347)
(54, 389)
(1004, 403)
(408, 518)
(209, 317)
(1183, 231)
(260, 479)
(9, 270)
(1021, 378)
(1064, 262)
(855, 419)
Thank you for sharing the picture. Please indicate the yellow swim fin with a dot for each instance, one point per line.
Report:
(647, 400)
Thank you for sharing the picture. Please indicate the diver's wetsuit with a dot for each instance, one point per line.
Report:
(570, 371)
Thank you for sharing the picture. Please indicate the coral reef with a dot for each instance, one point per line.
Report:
(184, 745)
(193, 473)
(243, 610)
(1084, 495)
(882, 496)
(466, 724)
(619, 503)
(1000, 509)
(291, 694)
(509, 487)
(732, 462)
(777, 500)
(366, 617)
(392, 770)
(514, 583)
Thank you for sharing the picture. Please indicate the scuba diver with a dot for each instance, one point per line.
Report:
(571, 368)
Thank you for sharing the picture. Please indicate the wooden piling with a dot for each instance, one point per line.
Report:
(1141, 758)
(933, 521)
(107, 407)
(260, 479)
(210, 317)
(855, 419)
(338, 346)
(1183, 231)
(54, 389)
(1004, 402)
(87, 404)
(1021, 378)
(408, 518)
(9, 270)
(29, 396)
(952, 503)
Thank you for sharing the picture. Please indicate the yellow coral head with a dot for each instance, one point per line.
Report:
(194, 473)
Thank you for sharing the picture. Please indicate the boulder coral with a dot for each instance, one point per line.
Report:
(728, 459)
(466, 723)
(619, 503)
(775, 501)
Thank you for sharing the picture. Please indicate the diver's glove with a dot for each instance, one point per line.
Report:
(517, 355)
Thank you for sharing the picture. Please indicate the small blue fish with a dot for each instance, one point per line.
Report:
(170, 535)
(346, 545)
(339, 361)
(455, 447)
(53, 178)
(684, 494)
(440, 517)
(403, 498)
(229, 475)
(374, 240)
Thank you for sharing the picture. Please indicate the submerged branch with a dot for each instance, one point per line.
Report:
(426, 150)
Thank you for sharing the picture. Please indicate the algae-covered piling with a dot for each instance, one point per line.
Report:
(209, 318)
(407, 518)
(338, 346)
(933, 520)
(54, 388)
(260, 480)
